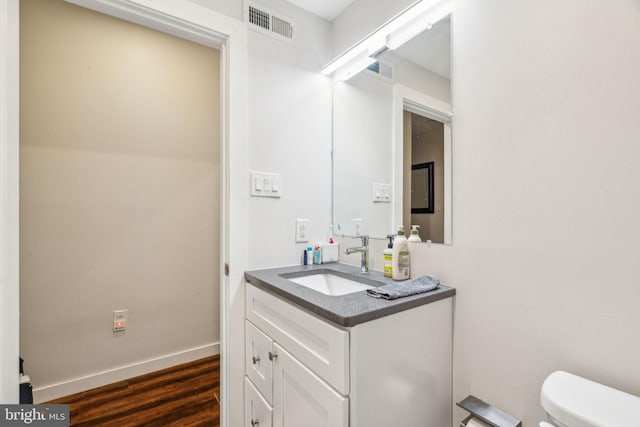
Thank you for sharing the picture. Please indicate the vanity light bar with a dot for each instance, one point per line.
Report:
(341, 60)
(421, 9)
(357, 58)
(354, 68)
(419, 16)
(414, 27)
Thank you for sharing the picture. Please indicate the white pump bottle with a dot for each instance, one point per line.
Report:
(415, 237)
(401, 258)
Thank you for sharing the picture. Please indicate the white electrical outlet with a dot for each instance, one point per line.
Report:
(358, 226)
(119, 320)
(302, 230)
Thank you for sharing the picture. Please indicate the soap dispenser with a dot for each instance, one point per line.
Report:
(387, 258)
(415, 237)
(401, 261)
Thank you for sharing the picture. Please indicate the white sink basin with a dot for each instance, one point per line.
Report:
(330, 284)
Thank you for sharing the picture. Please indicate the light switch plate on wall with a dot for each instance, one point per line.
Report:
(263, 184)
(381, 192)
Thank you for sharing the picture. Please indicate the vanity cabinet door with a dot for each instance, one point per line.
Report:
(257, 412)
(300, 398)
(258, 365)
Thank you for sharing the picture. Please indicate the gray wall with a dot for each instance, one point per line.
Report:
(119, 192)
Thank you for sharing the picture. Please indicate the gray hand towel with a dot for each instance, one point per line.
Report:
(404, 289)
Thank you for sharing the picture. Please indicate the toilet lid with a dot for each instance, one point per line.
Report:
(579, 402)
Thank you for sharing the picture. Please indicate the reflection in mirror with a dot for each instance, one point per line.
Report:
(424, 176)
(422, 188)
(362, 155)
(391, 126)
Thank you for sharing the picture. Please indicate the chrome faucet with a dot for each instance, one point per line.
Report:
(364, 249)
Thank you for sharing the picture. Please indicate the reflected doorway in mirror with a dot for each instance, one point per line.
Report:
(424, 148)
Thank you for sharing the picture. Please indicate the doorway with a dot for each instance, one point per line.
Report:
(120, 201)
(424, 153)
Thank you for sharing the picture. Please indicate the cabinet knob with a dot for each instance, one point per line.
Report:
(255, 422)
(256, 359)
(273, 355)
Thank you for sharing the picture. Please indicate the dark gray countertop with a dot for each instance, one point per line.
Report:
(344, 310)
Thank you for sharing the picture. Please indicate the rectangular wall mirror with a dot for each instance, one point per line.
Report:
(392, 141)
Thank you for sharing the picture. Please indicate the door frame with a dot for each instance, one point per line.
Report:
(192, 22)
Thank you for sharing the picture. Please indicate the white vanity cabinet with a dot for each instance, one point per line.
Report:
(304, 371)
(278, 387)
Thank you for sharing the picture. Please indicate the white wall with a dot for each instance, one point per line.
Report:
(290, 134)
(545, 194)
(231, 8)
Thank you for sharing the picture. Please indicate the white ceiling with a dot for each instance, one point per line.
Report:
(327, 9)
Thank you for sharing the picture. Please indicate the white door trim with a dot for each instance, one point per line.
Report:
(183, 19)
(9, 201)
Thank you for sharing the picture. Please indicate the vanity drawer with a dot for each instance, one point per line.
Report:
(322, 347)
(258, 364)
(257, 412)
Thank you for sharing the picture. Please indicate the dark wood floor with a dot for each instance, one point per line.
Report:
(184, 395)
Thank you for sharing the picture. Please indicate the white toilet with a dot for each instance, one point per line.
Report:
(572, 401)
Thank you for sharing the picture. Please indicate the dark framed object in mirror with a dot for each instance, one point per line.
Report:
(422, 188)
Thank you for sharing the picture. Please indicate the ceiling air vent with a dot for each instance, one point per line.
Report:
(265, 21)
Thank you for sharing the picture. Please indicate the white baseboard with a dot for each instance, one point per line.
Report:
(98, 379)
